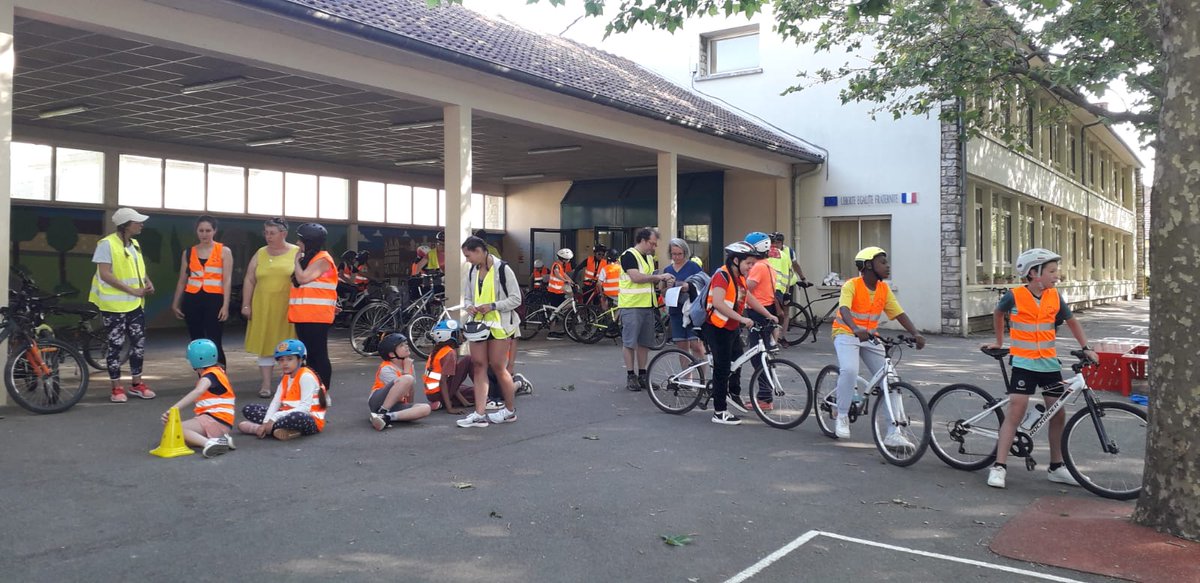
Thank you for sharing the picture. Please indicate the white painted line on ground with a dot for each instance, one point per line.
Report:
(766, 561)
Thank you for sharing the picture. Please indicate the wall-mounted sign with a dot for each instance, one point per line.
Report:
(872, 199)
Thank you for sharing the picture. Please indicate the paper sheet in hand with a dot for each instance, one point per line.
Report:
(672, 297)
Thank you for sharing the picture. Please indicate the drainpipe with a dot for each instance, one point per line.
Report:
(795, 194)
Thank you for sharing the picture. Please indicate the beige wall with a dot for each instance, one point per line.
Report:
(530, 206)
(749, 205)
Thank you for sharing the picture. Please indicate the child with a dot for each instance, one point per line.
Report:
(213, 397)
(1035, 311)
(391, 395)
(445, 371)
(298, 407)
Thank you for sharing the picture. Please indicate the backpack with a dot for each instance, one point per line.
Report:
(499, 267)
(695, 309)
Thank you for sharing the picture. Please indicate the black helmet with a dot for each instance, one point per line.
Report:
(600, 248)
(313, 235)
(363, 256)
(441, 236)
(612, 255)
(777, 236)
(349, 256)
(389, 344)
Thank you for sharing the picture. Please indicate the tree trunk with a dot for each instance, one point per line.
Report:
(1170, 500)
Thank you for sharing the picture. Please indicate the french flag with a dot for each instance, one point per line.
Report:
(908, 198)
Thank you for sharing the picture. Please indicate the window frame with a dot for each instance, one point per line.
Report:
(708, 52)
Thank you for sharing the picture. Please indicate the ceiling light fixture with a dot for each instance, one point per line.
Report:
(210, 85)
(554, 150)
(645, 168)
(515, 177)
(417, 162)
(270, 141)
(68, 110)
(417, 125)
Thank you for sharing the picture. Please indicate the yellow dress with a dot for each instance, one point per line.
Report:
(268, 324)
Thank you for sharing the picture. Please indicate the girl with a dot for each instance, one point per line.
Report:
(214, 400)
(312, 303)
(298, 407)
(445, 371)
(491, 294)
(391, 395)
(202, 293)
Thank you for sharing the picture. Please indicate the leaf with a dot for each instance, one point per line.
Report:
(494, 514)
(677, 540)
(463, 485)
(592, 437)
(567, 388)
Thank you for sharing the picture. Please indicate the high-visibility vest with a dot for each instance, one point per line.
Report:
(209, 276)
(612, 279)
(735, 297)
(379, 384)
(864, 310)
(485, 285)
(539, 273)
(558, 278)
(128, 269)
(783, 269)
(433, 370)
(219, 406)
(360, 278)
(592, 267)
(316, 300)
(637, 295)
(290, 401)
(433, 264)
(1032, 324)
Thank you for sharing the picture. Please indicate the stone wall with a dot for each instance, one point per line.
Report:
(952, 224)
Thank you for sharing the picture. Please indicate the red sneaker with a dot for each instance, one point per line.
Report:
(118, 395)
(765, 405)
(142, 391)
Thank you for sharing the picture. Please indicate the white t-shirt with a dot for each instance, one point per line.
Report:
(103, 253)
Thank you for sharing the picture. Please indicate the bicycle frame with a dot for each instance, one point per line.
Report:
(759, 350)
(556, 313)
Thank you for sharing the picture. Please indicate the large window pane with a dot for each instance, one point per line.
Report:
(493, 213)
(400, 204)
(31, 171)
(300, 194)
(226, 189)
(266, 192)
(425, 206)
(140, 182)
(476, 212)
(335, 198)
(733, 54)
(843, 245)
(185, 185)
(80, 176)
(371, 204)
(442, 208)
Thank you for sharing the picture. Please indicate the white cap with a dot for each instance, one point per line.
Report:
(124, 215)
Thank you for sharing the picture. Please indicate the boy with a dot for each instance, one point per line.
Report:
(299, 405)
(391, 395)
(213, 397)
(445, 371)
(1035, 310)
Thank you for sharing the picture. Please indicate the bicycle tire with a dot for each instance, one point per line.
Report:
(1100, 472)
(662, 328)
(799, 324)
(95, 350)
(46, 395)
(959, 446)
(419, 339)
(913, 426)
(576, 323)
(531, 325)
(790, 403)
(367, 322)
(825, 399)
(667, 395)
(613, 323)
(593, 333)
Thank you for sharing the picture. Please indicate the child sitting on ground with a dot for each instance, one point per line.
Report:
(213, 397)
(445, 371)
(298, 407)
(391, 395)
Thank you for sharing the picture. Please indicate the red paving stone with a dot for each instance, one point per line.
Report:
(1096, 536)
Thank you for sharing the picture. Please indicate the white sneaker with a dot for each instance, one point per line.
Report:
(896, 441)
(214, 447)
(473, 420)
(379, 422)
(725, 418)
(1062, 476)
(996, 476)
(842, 427)
(494, 405)
(502, 416)
(524, 387)
(228, 441)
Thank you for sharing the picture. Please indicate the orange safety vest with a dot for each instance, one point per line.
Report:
(379, 384)
(292, 395)
(433, 370)
(1032, 324)
(865, 311)
(612, 279)
(735, 297)
(219, 406)
(558, 278)
(209, 276)
(315, 301)
(361, 280)
(592, 267)
(538, 274)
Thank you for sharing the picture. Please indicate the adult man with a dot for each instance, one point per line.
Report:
(787, 273)
(593, 265)
(638, 302)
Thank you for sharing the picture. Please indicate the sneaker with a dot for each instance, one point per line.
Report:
(494, 405)
(896, 441)
(379, 422)
(473, 420)
(996, 476)
(842, 427)
(228, 441)
(286, 434)
(725, 418)
(644, 380)
(118, 395)
(1062, 476)
(736, 402)
(141, 391)
(633, 383)
(502, 416)
(766, 405)
(264, 393)
(214, 447)
(524, 387)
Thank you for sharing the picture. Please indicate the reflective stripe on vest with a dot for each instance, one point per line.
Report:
(433, 370)
(612, 279)
(128, 269)
(865, 311)
(637, 295)
(558, 278)
(539, 276)
(315, 301)
(783, 269)
(209, 276)
(485, 284)
(735, 298)
(219, 406)
(592, 267)
(1032, 324)
(292, 396)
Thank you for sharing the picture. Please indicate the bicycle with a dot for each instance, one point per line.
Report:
(42, 374)
(1108, 462)
(900, 437)
(574, 320)
(802, 321)
(784, 399)
(91, 339)
(350, 304)
(607, 324)
(375, 320)
(420, 341)
(1000, 291)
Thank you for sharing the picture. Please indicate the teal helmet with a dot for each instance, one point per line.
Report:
(202, 353)
(291, 347)
(760, 241)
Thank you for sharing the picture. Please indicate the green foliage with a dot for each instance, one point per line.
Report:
(676, 540)
(61, 234)
(24, 224)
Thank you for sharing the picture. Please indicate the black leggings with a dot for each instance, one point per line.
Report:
(316, 340)
(298, 420)
(726, 347)
(200, 311)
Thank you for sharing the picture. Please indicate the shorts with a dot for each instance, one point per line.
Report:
(637, 327)
(1025, 382)
(211, 426)
(679, 332)
(782, 298)
(375, 401)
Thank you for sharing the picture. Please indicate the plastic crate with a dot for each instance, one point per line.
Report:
(1107, 376)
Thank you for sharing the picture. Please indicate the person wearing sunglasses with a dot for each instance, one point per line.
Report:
(119, 288)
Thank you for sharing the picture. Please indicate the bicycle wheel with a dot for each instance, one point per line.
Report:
(825, 399)
(94, 346)
(532, 324)
(366, 325)
(592, 333)
(55, 392)
(902, 440)
(1115, 474)
(419, 339)
(788, 394)
(578, 323)
(962, 445)
(672, 390)
(662, 329)
(799, 324)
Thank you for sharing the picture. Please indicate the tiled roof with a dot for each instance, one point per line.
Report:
(453, 33)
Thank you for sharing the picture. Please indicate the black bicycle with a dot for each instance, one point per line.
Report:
(379, 319)
(42, 374)
(88, 335)
(802, 320)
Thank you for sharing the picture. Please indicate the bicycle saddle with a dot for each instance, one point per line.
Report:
(996, 353)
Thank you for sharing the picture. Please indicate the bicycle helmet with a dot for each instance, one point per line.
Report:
(738, 250)
(1032, 258)
(867, 254)
(599, 248)
(363, 256)
(537, 264)
(444, 331)
(477, 331)
(612, 255)
(390, 343)
(422, 251)
(698, 261)
(349, 256)
(313, 235)
(777, 237)
(291, 347)
(760, 241)
(441, 236)
(202, 353)
(565, 254)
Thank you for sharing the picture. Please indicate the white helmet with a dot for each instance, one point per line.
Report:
(565, 254)
(444, 331)
(423, 251)
(1032, 258)
(476, 331)
(537, 264)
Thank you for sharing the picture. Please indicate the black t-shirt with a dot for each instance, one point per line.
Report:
(629, 261)
(217, 388)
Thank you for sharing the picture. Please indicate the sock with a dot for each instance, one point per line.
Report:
(999, 465)
(642, 372)
(1055, 465)
(630, 373)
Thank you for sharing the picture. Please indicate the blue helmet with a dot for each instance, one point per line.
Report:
(202, 353)
(291, 347)
(760, 241)
(445, 331)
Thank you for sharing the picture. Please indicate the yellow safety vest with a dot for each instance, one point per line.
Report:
(783, 269)
(432, 264)
(128, 269)
(487, 294)
(638, 295)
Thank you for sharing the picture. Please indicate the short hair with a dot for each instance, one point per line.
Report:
(212, 221)
(277, 222)
(683, 246)
(474, 243)
(644, 234)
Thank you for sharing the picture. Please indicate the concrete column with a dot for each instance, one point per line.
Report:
(352, 238)
(973, 227)
(668, 207)
(7, 58)
(458, 195)
(112, 186)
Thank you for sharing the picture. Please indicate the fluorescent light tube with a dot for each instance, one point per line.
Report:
(554, 150)
(522, 177)
(210, 85)
(417, 125)
(270, 141)
(68, 110)
(417, 162)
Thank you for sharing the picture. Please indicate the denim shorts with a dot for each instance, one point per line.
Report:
(679, 332)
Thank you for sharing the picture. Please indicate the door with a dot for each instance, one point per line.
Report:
(613, 237)
(544, 243)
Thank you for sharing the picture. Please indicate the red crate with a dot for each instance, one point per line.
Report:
(1108, 376)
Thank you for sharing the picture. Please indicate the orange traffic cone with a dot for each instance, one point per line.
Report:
(172, 444)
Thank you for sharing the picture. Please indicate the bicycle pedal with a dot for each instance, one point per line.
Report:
(1030, 463)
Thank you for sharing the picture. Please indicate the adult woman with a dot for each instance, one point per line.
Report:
(312, 301)
(682, 268)
(118, 290)
(202, 294)
(491, 295)
(265, 298)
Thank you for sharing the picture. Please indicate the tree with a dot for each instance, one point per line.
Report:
(915, 55)
(62, 235)
(24, 228)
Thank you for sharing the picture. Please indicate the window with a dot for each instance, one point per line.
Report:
(730, 51)
(400, 204)
(31, 171)
(698, 238)
(266, 192)
(226, 189)
(1001, 225)
(442, 208)
(476, 211)
(141, 182)
(79, 176)
(372, 205)
(979, 230)
(299, 194)
(1074, 156)
(493, 213)
(335, 198)
(425, 206)
(184, 188)
(848, 236)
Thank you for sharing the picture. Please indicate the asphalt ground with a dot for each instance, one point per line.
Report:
(582, 488)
